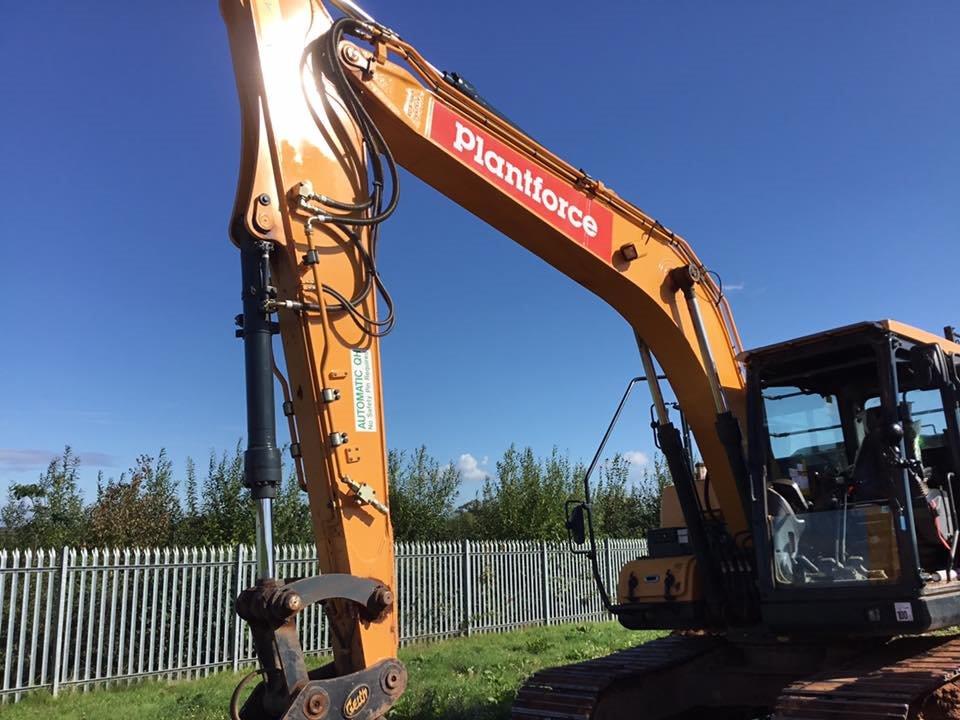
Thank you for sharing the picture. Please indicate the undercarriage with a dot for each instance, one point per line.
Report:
(703, 676)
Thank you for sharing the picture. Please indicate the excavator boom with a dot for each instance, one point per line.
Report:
(572, 221)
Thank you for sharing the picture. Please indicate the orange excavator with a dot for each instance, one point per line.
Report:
(798, 566)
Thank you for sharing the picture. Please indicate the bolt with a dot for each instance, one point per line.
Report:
(316, 705)
(380, 600)
(351, 54)
(264, 199)
(293, 602)
(393, 679)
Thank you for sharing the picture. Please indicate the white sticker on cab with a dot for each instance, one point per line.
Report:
(904, 611)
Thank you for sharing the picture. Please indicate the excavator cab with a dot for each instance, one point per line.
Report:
(854, 457)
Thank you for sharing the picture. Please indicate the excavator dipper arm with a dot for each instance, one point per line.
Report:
(313, 279)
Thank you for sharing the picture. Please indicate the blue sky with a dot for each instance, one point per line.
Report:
(809, 152)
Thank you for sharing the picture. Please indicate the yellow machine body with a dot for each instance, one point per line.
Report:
(666, 579)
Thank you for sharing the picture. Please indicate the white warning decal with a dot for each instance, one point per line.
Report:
(904, 611)
(364, 404)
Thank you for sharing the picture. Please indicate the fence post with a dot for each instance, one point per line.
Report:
(467, 582)
(58, 654)
(608, 564)
(237, 625)
(545, 584)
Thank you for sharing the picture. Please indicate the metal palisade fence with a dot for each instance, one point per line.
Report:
(77, 618)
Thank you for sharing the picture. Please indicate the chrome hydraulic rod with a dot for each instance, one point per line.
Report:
(686, 279)
(266, 566)
(353, 10)
(653, 381)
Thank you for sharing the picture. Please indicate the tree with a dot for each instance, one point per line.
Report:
(614, 509)
(228, 517)
(525, 500)
(649, 493)
(144, 507)
(140, 509)
(625, 509)
(422, 495)
(465, 523)
(190, 528)
(48, 513)
(291, 513)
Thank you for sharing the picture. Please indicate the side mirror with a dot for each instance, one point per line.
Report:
(578, 519)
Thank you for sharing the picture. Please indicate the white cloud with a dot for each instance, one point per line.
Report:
(635, 457)
(23, 459)
(638, 460)
(733, 287)
(470, 469)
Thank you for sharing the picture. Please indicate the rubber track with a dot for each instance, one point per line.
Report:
(571, 692)
(892, 685)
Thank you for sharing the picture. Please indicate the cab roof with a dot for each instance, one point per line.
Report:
(907, 332)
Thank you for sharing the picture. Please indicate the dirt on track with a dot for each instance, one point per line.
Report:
(944, 704)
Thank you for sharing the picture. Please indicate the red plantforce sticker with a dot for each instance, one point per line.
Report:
(571, 212)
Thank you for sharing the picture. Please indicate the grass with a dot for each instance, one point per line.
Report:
(478, 677)
(475, 677)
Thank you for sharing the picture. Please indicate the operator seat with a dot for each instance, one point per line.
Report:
(790, 491)
(874, 476)
(785, 531)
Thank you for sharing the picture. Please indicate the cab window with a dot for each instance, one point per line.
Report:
(805, 434)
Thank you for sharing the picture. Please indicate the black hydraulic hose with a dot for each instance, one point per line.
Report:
(378, 154)
(235, 697)
(372, 136)
(349, 207)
